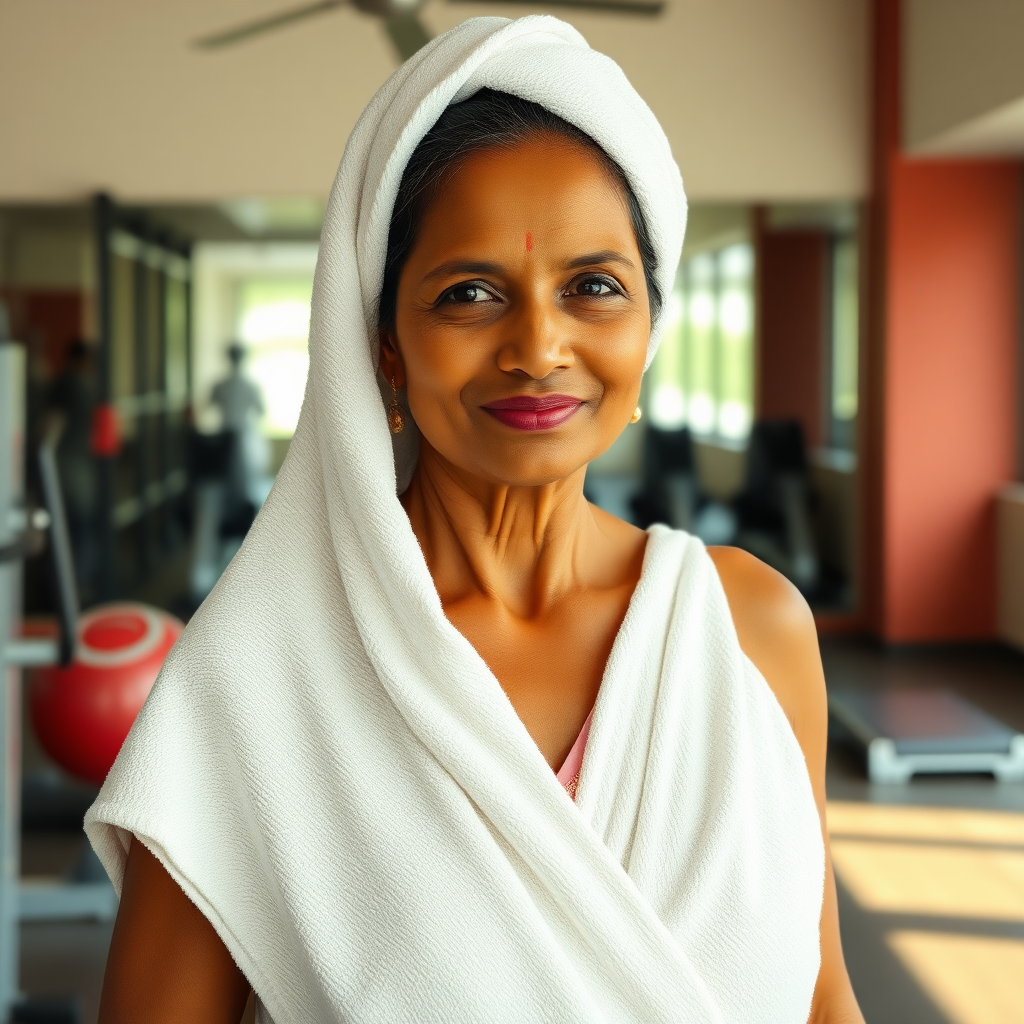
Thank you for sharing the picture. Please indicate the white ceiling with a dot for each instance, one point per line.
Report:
(761, 99)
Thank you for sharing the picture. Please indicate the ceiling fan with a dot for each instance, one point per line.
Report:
(401, 18)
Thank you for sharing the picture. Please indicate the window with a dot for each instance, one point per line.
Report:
(273, 324)
(703, 375)
(698, 340)
(257, 293)
(844, 348)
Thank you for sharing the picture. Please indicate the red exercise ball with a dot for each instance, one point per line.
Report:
(82, 713)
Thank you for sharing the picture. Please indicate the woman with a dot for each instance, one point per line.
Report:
(343, 790)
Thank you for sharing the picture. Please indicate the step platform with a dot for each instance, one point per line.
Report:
(911, 732)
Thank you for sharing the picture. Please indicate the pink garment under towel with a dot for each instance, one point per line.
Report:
(569, 774)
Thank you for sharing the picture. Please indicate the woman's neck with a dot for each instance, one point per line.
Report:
(523, 547)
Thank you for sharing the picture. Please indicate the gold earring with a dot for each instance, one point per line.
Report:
(396, 418)
(637, 413)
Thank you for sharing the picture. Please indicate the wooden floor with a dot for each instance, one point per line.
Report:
(930, 874)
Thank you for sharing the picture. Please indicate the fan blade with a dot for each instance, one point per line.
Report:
(407, 33)
(255, 28)
(648, 8)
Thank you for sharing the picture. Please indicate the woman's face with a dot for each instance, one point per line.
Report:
(522, 318)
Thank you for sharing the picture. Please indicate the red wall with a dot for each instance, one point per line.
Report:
(46, 320)
(939, 402)
(792, 272)
(951, 391)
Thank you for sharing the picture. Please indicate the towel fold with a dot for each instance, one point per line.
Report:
(336, 779)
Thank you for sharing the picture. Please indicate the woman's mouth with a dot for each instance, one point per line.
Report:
(533, 412)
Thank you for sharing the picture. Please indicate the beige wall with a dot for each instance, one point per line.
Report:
(964, 64)
(720, 469)
(45, 252)
(713, 225)
(762, 99)
(834, 479)
(49, 260)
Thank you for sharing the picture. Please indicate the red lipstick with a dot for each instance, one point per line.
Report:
(533, 412)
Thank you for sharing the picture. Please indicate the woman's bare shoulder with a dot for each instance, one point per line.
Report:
(776, 631)
(761, 599)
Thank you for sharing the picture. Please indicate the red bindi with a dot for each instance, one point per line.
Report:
(529, 242)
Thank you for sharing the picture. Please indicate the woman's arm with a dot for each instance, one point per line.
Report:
(166, 963)
(776, 631)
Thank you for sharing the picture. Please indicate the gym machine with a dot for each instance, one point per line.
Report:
(910, 732)
(24, 532)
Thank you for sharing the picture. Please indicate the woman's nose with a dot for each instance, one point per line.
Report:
(536, 341)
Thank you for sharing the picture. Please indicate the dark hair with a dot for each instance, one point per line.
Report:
(487, 120)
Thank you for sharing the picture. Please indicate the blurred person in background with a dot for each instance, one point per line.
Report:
(241, 406)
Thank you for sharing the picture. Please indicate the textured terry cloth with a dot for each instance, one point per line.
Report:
(332, 774)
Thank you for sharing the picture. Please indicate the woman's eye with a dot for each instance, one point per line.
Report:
(466, 293)
(591, 287)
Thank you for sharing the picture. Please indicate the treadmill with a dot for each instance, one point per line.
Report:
(906, 732)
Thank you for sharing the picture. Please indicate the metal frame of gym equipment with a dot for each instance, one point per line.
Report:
(144, 370)
(23, 532)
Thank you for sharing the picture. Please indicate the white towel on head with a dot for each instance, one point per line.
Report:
(336, 779)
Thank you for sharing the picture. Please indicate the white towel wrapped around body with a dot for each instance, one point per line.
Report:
(337, 780)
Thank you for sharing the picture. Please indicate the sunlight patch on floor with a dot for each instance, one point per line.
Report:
(947, 824)
(898, 878)
(962, 868)
(972, 979)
